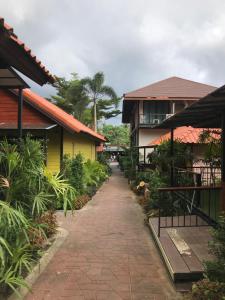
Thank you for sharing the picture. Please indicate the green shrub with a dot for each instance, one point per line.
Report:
(207, 290)
(156, 180)
(215, 270)
(73, 170)
(94, 173)
(128, 162)
(85, 177)
(161, 156)
(103, 158)
(27, 192)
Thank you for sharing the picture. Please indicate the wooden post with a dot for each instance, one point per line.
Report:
(171, 157)
(61, 148)
(144, 155)
(46, 148)
(20, 114)
(223, 161)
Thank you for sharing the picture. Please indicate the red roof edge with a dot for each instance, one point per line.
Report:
(27, 50)
(58, 115)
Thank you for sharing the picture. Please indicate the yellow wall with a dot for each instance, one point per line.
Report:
(74, 144)
(53, 150)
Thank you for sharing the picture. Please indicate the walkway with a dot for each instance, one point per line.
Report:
(108, 254)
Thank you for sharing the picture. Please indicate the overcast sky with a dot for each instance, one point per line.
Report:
(133, 42)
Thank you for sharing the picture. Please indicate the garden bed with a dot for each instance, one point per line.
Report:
(51, 247)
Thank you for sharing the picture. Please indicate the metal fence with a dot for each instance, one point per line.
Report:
(151, 119)
(192, 206)
(197, 176)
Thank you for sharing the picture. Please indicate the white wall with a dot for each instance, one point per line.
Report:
(147, 135)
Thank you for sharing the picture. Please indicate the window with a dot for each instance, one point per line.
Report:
(155, 111)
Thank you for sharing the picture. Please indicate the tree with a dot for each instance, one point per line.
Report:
(116, 135)
(213, 149)
(72, 98)
(83, 98)
(96, 91)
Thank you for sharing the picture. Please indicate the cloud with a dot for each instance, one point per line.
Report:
(134, 42)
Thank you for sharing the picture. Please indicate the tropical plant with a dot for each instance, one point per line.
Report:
(103, 158)
(213, 150)
(27, 192)
(73, 171)
(103, 97)
(94, 173)
(72, 98)
(118, 135)
(161, 156)
(85, 98)
(128, 162)
(207, 290)
(215, 269)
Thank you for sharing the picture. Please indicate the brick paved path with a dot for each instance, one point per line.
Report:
(108, 254)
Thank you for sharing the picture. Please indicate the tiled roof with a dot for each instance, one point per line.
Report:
(26, 49)
(174, 88)
(185, 134)
(58, 115)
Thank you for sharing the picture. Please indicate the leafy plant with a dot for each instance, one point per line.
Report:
(215, 269)
(116, 134)
(207, 290)
(87, 99)
(27, 192)
(162, 158)
(102, 97)
(212, 140)
(85, 176)
(94, 173)
(73, 170)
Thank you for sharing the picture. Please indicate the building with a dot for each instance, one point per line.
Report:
(60, 132)
(189, 136)
(151, 105)
(196, 205)
(15, 56)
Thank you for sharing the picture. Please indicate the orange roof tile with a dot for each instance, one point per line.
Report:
(174, 88)
(58, 115)
(27, 50)
(185, 134)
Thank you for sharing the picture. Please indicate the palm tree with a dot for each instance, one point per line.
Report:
(96, 90)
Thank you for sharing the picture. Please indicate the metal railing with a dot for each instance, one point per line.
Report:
(152, 119)
(197, 176)
(191, 206)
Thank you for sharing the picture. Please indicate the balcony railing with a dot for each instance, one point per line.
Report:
(188, 206)
(152, 119)
(197, 176)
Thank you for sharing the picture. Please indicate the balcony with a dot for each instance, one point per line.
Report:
(152, 119)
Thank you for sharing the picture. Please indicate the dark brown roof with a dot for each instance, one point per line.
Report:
(174, 88)
(14, 52)
(205, 113)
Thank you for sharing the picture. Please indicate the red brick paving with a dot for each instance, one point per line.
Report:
(108, 254)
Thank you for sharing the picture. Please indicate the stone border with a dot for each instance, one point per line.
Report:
(42, 263)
